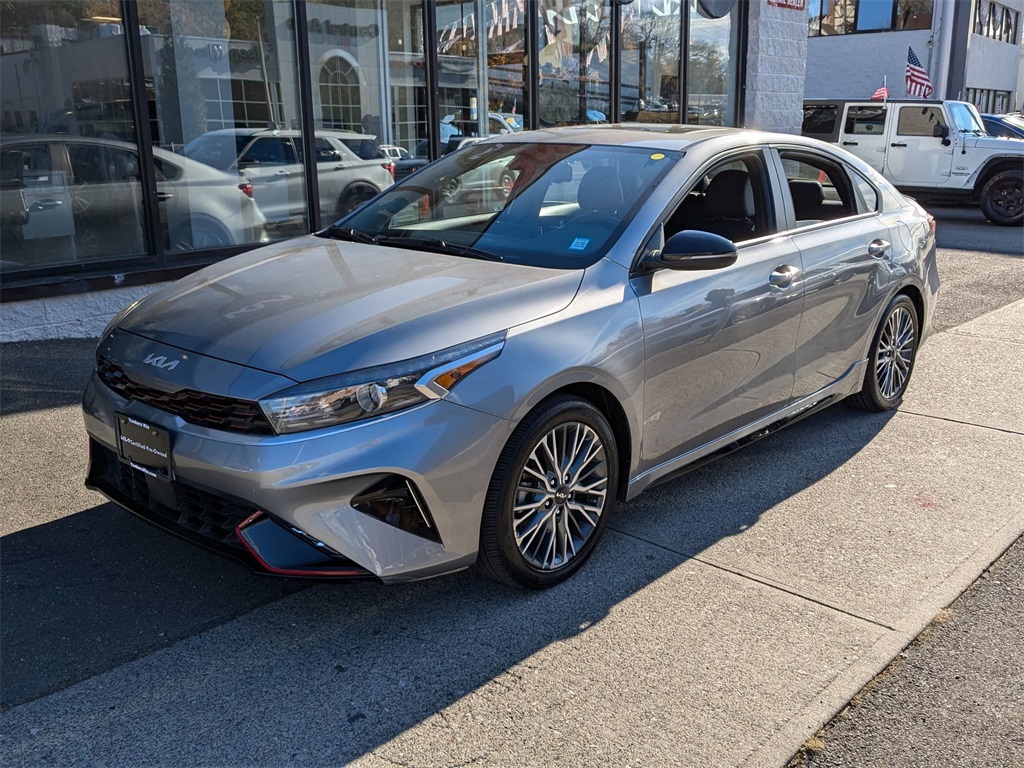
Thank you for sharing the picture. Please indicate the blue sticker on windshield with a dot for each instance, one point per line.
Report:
(579, 244)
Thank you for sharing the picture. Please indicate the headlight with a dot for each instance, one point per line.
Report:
(376, 391)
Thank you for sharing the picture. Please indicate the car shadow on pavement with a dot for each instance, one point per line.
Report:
(358, 664)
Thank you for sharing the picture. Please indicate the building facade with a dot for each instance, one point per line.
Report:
(971, 49)
(104, 102)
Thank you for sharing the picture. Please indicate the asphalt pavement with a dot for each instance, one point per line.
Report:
(724, 619)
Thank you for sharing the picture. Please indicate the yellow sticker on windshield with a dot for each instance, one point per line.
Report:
(657, 156)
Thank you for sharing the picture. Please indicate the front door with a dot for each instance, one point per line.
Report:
(720, 343)
(917, 156)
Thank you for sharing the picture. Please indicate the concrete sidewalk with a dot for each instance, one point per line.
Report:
(725, 617)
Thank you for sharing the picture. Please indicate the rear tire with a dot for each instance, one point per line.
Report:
(551, 495)
(1002, 198)
(198, 236)
(893, 352)
(354, 197)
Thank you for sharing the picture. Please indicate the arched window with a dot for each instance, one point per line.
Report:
(340, 105)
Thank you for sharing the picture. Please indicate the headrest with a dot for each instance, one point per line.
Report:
(729, 196)
(807, 193)
(600, 190)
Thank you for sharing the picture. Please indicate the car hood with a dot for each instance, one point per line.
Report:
(997, 144)
(314, 307)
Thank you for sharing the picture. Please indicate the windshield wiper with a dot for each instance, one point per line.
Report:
(438, 246)
(347, 233)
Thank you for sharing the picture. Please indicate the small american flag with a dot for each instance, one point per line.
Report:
(882, 93)
(918, 82)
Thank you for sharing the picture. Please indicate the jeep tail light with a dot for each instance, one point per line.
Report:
(246, 187)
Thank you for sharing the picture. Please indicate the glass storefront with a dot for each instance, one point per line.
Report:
(650, 62)
(69, 160)
(138, 136)
(712, 68)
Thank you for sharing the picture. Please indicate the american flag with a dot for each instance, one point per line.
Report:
(918, 82)
(882, 93)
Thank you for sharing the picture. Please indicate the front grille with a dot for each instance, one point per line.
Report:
(199, 408)
(209, 518)
(198, 514)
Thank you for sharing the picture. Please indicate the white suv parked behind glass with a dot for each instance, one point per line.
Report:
(351, 168)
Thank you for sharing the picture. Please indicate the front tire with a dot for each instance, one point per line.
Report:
(550, 496)
(893, 352)
(1002, 198)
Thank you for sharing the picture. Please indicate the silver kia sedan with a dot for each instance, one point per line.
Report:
(466, 371)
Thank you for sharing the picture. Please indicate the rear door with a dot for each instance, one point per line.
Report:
(863, 132)
(917, 156)
(106, 198)
(846, 252)
(272, 166)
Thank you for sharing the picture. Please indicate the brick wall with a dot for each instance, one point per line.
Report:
(82, 315)
(776, 66)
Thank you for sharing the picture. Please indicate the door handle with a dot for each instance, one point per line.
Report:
(878, 248)
(898, 144)
(164, 195)
(784, 275)
(341, 167)
(46, 205)
(282, 173)
(851, 143)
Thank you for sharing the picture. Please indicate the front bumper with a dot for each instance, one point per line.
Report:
(254, 497)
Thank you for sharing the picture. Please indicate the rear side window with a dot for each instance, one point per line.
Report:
(865, 120)
(270, 150)
(819, 188)
(868, 194)
(919, 121)
(819, 119)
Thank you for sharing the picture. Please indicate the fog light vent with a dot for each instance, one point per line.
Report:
(396, 501)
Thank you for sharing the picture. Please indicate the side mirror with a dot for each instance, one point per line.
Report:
(940, 131)
(693, 250)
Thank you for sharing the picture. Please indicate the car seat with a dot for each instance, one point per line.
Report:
(808, 196)
(599, 196)
(728, 208)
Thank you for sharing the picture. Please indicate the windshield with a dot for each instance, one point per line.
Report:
(550, 205)
(217, 150)
(965, 117)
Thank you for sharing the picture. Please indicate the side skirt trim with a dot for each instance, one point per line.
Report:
(743, 436)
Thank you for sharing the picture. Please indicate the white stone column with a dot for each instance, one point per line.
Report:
(776, 66)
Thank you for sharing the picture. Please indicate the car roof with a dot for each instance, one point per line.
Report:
(662, 135)
(289, 132)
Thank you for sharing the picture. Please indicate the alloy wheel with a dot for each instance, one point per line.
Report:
(560, 496)
(895, 353)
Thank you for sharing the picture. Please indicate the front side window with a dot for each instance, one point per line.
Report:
(919, 121)
(729, 200)
(551, 205)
